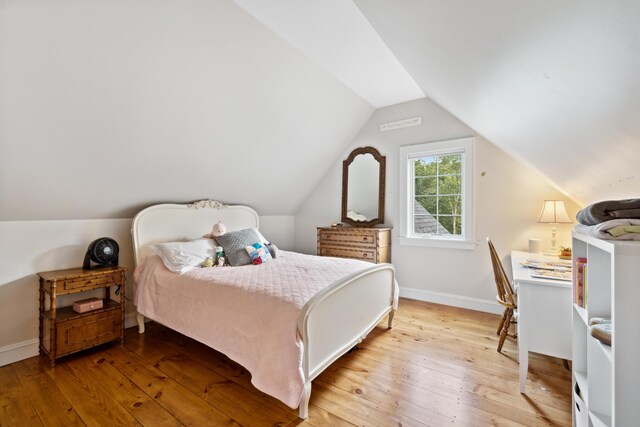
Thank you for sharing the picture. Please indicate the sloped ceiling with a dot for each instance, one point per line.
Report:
(109, 106)
(554, 84)
(336, 35)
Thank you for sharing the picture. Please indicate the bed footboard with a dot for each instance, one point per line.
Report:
(341, 316)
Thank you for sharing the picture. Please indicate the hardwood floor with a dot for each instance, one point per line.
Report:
(438, 366)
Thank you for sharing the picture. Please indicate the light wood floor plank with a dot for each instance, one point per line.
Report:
(50, 404)
(95, 405)
(216, 389)
(437, 367)
(142, 407)
(394, 390)
(453, 387)
(15, 407)
(184, 405)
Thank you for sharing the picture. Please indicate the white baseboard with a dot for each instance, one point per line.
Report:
(470, 303)
(130, 320)
(26, 349)
(19, 351)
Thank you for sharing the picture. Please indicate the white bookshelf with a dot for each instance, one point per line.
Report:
(606, 379)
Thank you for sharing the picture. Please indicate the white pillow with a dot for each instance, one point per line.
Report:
(262, 239)
(181, 257)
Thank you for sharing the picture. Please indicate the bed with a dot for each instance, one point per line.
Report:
(307, 326)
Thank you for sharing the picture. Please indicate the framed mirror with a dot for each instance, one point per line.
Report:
(363, 179)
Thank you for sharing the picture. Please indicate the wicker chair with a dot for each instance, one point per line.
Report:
(505, 297)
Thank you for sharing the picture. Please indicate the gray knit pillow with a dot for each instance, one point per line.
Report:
(234, 244)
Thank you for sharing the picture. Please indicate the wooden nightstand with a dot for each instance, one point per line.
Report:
(62, 330)
(367, 244)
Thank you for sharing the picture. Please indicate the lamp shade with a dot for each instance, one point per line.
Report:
(554, 212)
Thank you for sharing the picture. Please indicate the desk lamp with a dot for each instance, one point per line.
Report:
(553, 212)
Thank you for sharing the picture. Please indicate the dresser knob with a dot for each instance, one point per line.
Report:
(364, 255)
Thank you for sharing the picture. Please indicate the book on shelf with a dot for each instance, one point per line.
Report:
(579, 282)
(585, 269)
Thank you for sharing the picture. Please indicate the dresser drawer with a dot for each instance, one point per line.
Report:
(344, 252)
(360, 239)
(77, 334)
(368, 244)
(90, 282)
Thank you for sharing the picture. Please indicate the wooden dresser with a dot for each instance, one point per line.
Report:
(367, 244)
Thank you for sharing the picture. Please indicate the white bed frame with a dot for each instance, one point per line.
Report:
(331, 323)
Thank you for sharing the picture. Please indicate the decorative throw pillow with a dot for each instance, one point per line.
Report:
(258, 253)
(234, 244)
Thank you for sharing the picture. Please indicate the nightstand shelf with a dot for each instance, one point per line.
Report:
(67, 313)
(64, 331)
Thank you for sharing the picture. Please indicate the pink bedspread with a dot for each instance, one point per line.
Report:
(249, 313)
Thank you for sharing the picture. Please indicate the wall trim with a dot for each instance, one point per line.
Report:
(461, 301)
(23, 350)
(130, 320)
(19, 351)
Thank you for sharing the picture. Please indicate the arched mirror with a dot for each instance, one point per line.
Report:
(363, 177)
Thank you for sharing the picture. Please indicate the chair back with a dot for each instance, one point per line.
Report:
(503, 285)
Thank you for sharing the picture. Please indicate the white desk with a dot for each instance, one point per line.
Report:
(544, 314)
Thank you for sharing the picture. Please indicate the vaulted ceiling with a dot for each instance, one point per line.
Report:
(554, 84)
(108, 106)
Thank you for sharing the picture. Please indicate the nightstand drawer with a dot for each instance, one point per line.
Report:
(77, 334)
(348, 253)
(86, 282)
(366, 239)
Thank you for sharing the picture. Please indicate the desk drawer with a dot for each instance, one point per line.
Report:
(84, 282)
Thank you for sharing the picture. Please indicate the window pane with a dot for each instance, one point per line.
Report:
(451, 184)
(432, 196)
(425, 166)
(425, 224)
(451, 164)
(449, 205)
(426, 186)
(450, 225)
(425, 202)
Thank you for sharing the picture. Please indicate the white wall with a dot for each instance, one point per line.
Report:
(108, 106)
(509, 196)
(32, 246)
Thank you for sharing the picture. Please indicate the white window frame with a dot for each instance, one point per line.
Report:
(407, 153)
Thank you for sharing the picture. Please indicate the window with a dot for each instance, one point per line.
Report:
(436, 194)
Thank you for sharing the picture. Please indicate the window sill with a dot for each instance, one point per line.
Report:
(432, 242)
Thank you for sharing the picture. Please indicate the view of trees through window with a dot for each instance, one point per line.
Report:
(438, 189)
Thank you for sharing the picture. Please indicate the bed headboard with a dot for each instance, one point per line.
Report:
(181, 222)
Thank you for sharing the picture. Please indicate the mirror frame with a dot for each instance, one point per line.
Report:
(382, 160)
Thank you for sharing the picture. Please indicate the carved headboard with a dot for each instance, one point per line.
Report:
(181, 222)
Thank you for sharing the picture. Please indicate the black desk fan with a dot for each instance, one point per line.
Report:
(103, 252)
